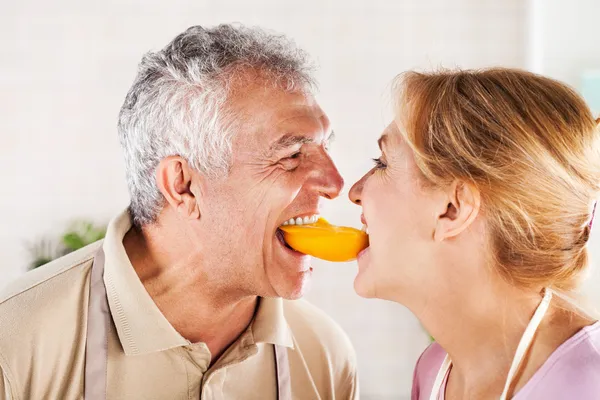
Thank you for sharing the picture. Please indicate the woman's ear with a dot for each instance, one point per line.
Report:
(460, 208)
(174, 178)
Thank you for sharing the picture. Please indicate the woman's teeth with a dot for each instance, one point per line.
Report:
(301, 221)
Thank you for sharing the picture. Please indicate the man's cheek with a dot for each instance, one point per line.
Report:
(284, 191)
(280, 187)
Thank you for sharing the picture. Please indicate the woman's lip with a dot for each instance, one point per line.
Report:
(362, 252)
(362, 219)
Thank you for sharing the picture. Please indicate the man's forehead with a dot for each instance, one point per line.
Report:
(269, 103)
(300, 117)
(276, 119)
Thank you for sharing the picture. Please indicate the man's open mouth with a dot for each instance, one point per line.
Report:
(280, 237)
(300, 220)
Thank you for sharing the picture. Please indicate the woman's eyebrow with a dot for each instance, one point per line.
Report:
(381, 141)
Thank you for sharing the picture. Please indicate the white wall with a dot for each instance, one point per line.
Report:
(66, 65)
(565, 43)
(565, 38)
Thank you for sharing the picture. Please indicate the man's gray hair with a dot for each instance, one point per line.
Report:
(177, 103)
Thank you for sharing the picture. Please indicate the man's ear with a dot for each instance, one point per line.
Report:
(174, 178)
(460, 208)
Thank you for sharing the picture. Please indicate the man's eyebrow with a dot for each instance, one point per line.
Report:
(331, 138)
(288, 141)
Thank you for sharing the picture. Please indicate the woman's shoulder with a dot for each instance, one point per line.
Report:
(580, 353)
(426, 370)
(573, 369)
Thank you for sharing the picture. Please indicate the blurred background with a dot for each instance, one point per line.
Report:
(66, 65)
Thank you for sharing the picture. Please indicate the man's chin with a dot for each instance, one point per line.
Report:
(295, 287)
(289, 272)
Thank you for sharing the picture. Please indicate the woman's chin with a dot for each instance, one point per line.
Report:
(363, 283)
(363, 290)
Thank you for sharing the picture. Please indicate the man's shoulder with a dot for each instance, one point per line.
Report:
(42, 320)
(312, 327)
(47, 298)
(324, 348)
(46, 275)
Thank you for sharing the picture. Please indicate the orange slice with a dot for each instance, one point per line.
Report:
(325, 241)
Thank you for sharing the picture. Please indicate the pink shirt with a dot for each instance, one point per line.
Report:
(571, 372)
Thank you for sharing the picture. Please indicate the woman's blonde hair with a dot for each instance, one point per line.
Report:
(529, 144)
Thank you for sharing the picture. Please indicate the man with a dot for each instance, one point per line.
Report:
(223, 142)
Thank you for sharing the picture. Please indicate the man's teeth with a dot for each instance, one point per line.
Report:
(365, 229)
(302, 221)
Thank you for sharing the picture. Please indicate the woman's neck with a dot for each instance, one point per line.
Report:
(480, 331)
(480, 328)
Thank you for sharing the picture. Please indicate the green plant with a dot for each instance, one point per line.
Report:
(80, 234)
(43, 252)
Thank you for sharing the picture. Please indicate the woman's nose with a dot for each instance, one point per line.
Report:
(356, 191)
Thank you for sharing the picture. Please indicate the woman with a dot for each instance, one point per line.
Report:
(479, 212)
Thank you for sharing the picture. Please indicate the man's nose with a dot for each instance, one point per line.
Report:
(328, 181)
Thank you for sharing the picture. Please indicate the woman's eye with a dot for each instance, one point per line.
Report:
(379, 164)
(295, 155)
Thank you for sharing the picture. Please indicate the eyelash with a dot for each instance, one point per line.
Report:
(379, 164)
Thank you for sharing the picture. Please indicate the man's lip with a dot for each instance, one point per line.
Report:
(362, 219)
(301, 215)
(287, 247)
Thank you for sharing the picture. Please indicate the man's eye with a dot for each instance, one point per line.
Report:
(291, 162)
(379, 164)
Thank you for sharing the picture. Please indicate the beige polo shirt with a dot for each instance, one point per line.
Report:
(43, 322)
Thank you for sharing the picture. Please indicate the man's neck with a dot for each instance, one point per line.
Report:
(196, 304)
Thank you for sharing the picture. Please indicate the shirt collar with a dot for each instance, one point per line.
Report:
(141, 326)
(269, 324)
